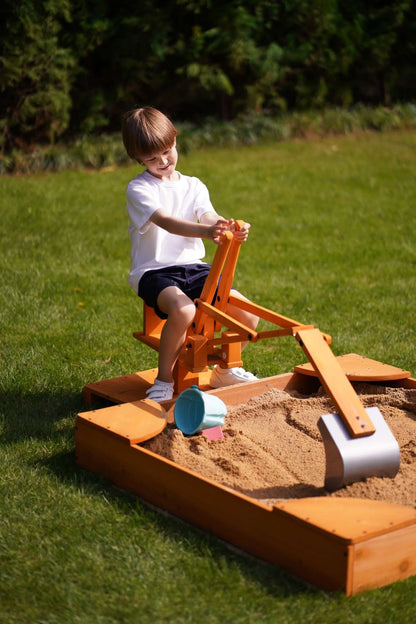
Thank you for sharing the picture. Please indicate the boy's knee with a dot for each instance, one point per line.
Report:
(188, 312)
(184, 310)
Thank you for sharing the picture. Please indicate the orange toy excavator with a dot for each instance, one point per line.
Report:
(207, 343)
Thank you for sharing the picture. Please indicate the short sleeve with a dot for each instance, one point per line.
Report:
(141, 204)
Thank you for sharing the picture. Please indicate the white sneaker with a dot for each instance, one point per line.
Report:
(229, 376)
(160, 391)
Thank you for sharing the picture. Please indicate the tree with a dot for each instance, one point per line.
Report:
(36, 72)
(76, 65)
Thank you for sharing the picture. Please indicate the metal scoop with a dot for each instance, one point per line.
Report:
(358, 442)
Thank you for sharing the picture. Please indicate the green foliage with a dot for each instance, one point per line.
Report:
(37, 72)
(107, 150)
(75, 66)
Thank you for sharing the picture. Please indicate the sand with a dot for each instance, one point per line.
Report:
(272, 449)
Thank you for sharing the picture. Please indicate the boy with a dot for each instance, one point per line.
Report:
(169, 215)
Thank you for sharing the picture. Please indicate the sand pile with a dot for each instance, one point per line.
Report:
(272, 449)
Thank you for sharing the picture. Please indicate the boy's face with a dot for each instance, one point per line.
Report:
(162, 164)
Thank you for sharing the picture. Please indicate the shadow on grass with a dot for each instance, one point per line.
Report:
(36, 415)
(39, 416)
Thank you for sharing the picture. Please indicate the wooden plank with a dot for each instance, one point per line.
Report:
(211, 282)
(355, 519)
(134, 422)
(229, 322)
(264, 313)
(151, 341)
(359, 368)
(335, 382)
(130, 388)
(133, 387)
(383, 560)
(121, 389)
(152, 323)
(227, 276)
(272, 317)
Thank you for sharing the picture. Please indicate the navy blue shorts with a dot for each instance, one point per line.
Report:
(189, 278)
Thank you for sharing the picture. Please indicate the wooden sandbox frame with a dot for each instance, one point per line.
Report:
(346, 544)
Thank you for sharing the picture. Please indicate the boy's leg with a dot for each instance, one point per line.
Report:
(181, 311)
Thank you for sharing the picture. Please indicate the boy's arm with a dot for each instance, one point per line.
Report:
(211, 228)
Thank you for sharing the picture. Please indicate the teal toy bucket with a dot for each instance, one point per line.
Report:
(196, 410)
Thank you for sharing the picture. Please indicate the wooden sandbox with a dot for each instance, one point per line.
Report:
(348, 544)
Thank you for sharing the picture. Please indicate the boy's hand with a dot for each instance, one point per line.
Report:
(217, 230)
(240, 234)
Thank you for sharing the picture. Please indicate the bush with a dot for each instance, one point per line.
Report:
(107, 150)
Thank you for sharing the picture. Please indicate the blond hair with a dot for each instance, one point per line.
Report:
(146, 131)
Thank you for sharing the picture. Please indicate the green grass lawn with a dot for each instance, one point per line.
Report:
(332, 244)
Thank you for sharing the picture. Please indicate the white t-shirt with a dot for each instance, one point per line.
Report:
(152, 247)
